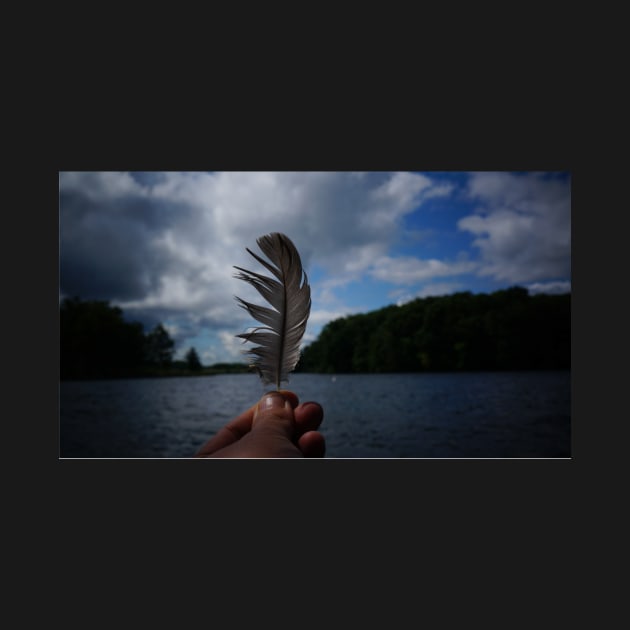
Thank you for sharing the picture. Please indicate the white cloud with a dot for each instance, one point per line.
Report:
(320, 317)
(522, 226)
(406, 190)
(553, 288)
(439, 288)
(411, 270)
(101, 185)
(232, 346)
(429, 290)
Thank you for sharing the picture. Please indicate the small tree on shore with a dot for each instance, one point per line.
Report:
(192, 360)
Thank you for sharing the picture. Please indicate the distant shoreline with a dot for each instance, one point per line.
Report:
(212, 371)
(169, 372)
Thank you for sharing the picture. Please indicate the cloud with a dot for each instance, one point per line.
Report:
(101, 185)
(411, 270)
(522, 225)
(430, 290)
(553, 288)
(121, 237)
(322, 316)
(110, 231)
(405, 190)
(163, 245)
(233, 347)
(402, 296)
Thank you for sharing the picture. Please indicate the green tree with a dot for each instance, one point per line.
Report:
(192, 360)
(507, 329)
(96, 341)
(159, 347)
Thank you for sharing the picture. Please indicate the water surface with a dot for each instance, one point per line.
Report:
(489, 414)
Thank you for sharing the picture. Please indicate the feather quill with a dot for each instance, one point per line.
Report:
(289, 295)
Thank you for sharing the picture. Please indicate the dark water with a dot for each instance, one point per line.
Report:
(522, 414)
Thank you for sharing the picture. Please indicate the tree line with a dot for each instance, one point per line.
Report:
(504, 330)
(97, 342)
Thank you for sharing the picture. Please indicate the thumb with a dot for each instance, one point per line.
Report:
(274, 412)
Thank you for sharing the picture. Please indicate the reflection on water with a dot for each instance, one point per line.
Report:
(522, 414)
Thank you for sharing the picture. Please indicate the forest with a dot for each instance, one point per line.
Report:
(97, 342)
(504, 330)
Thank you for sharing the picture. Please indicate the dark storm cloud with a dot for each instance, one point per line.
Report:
(109, 247)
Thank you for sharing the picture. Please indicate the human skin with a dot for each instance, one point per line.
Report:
(276, 426)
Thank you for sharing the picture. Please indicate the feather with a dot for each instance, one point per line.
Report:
(289, 295)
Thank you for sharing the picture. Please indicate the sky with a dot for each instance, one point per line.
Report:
(163, 245)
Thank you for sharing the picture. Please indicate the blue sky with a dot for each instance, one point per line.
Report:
(162, 246)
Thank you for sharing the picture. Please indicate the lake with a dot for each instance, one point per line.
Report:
(445, 415)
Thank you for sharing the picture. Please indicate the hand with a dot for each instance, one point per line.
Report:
(276, 426)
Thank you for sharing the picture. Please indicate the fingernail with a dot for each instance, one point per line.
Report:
(272, 401)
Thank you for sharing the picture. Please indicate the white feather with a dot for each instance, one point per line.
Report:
(290, 298)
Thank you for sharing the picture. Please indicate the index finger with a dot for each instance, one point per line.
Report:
(234, 430)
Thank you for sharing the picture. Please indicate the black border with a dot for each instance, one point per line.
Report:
(412, 134)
